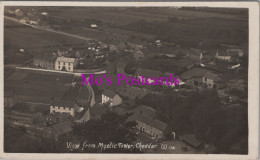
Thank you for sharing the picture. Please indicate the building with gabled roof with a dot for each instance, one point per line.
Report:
(111, 98)
(194, 76)
(230, 55)
(46, 61)
(147, 123)
(65, 63)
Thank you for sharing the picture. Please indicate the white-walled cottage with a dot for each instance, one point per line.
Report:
(65, 63)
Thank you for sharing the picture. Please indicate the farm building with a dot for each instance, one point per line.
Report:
(111, 98)
(65, 63)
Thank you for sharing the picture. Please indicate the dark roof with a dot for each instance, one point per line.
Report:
(191, 139)
(152, 122)
(63, 103)
(213, 76)
(109, 93)
(147, 73)
(47, 57)
(194, 73)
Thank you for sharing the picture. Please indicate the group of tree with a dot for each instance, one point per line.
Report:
(111, 127)
(205, 116)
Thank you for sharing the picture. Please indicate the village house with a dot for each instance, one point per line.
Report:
(229, 55)
(241, 49)
(147, 123)
(111, 98)
(223, 55)
(212, 80)
(63, 106)
(194, 77)
(47, 64)
(45, 61)
(65, 63)
(153, 127)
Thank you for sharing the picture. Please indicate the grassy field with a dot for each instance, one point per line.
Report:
(37, 87)
(187, 28)
(33, 41)
(121, 16)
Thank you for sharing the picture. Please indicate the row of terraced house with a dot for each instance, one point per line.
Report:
(59, 63)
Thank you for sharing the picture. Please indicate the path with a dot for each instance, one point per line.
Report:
(51, 30)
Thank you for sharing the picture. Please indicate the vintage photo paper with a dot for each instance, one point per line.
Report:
(129, 80)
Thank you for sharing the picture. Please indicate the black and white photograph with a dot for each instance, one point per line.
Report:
(128, 79)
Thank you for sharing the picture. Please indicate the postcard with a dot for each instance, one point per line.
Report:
(129, 80)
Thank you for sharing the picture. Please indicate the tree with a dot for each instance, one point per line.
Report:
(205, 115)
(110, 128)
